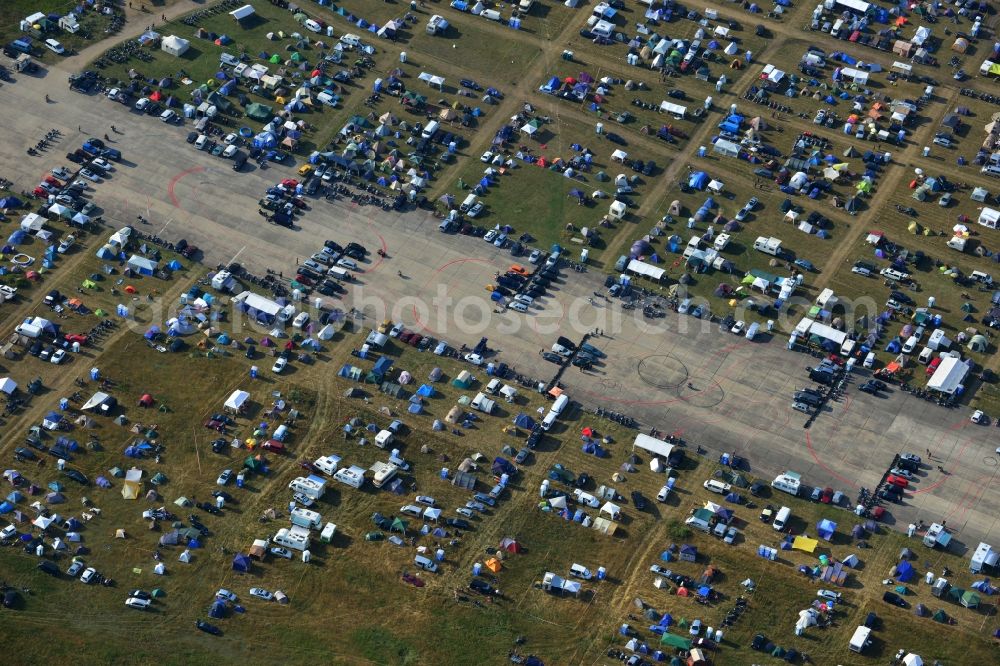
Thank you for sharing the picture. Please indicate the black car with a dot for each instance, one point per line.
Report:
(77, 476)
(482, 587)
(208, 507)
(582, 481)
(894, 599)
(638, 501)
(552, 357)
(890, 495)
(533, 439)
(614, 138)
(219, 445)
(45, 566)
(229, 499)
(901, 297)
(239, 159)
(868, 387)
(10, 597)
(871, 620)
(459, 523)
(26, 454)
(649, 169)
(583, 361)
(758, 489)
(333, 246)
(761, 31)
(192, 137)
(208, 628)
(357, 249)
(759, 642)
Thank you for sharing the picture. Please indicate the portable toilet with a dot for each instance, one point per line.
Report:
(477, 568)
(306, 556)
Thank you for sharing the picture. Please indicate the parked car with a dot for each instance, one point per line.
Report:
(261, 593)
(208, 628)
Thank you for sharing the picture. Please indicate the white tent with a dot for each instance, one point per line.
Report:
(648, 270)
(913, 660)
(236, 399)
(655, 446)
(612, 510)
(989, 217)
(160, 569)
(185, 556)
(948, 376)
(326, 333)
(95, 401)
(175, 46)
(558, 502)
(243, 12)
(8, 385)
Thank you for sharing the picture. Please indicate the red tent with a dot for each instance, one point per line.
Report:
(587, 432)
(156, 96)
(146, 400)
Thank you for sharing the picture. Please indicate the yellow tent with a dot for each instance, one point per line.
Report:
(805, 544)
(493, 564)
(131, 489)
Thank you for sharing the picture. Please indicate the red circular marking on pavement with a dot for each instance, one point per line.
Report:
(812, 452)
(173, 184)
(441, 268)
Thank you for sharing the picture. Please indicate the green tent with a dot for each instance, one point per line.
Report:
(675, 641)
(940, 616)
(157, 593)
(374, 536)
(296, 57)
(158, 479)
(275, 59)
(398, 525)
(100, 313)
(259, 112)
(970, 599)
(253, 464)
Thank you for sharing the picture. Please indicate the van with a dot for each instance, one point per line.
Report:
(560, 404)
(326, 536)
(301, 320)
(490, 14)
(447, 226)
(925, 355)
(425, 563)
(893, 274)
(580, 571)
(752, 331)
(910, 344)
(338, 273)
(781, 519)
(430, 129)
(847, 348)
(870, 360)
(494, 386)
(549, 419)
(984, 278)
(518, 306)
(468, 203)
(717, 486)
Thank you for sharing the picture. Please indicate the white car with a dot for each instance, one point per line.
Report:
(491, 235)
(114, 93)
(474, 359)
(261, 593)
(8, 532)
(828, 594)
(62, 173)
(230, 139)
(899, 471)
(225, 477)
(229, 151)
(58, 356)
(424, 499)
(662, 495)
(487, 157)
(141, 103)
(535, 257)
(279, 365)
(738, 327)
(730, 535)
(396, 329)
(281, 552)
(55, 46)
(223, 593)
(101, 164)
(801, 407)
(90, 175)
(411, 510)
(65, 244)
(168, 116)
(201, 141)
(345, 262)
(135, 602)
(978, 416)
(89, 576)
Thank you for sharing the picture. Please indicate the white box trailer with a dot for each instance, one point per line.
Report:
(295, 537)
(860, 640)
(984, 555)
(326, 536)
(483, 404)
(305, 518)
(384, 438)
(352, 476)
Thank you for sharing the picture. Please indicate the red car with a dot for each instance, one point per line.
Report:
(273, 445)
(897, 481)
(212, 424)
(39, 193)
(304, 280)
(76, 337)
(289, 183)
(52, 181)
(834, 358)
(826, 496)
(878, 512)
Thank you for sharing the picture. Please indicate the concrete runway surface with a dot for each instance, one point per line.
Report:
(714, 389)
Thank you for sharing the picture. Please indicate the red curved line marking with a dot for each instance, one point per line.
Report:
(441, 268)
(826, 467)
(173, 184)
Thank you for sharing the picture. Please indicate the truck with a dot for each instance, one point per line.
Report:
(768, 245)
(382, 473)
(306, 518)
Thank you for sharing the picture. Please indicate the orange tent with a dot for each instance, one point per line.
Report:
(493, 564)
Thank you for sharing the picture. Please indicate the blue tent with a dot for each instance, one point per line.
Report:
(174, 265)
(524, 421)
(17, 237)
(382, 366)
(6, 507)
(698, 180)
(415, 408)
(905, 572)
(15, 497)
(218, 609)
(425, 390)
(825, 528)
(10, 202)
(241, 563)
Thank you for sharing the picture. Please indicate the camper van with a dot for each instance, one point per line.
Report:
(788, 482)
(559, 406)
(770, 245)
(781, 519)
(352, 476)
(326, 536)
(382, 473)
(384, 438)
(327, 464)
(430, 129)
(295, 537)
(305, 518)
(312, 487)
(860, 640)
